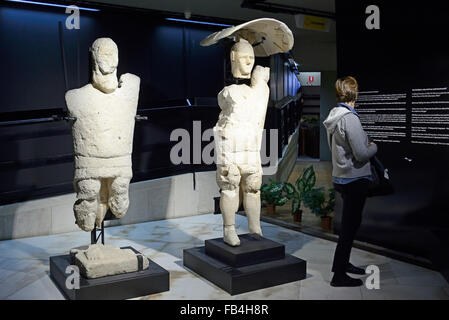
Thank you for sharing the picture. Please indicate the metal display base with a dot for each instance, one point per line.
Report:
(155, 279)
(256, 264)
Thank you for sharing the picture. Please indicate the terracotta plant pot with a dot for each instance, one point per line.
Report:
(271, 210)
(326, 223)
(297, 216)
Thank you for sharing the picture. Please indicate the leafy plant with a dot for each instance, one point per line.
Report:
(315, 200)
(291, 193)
(274, 193)
(306, 181)
(303, 184)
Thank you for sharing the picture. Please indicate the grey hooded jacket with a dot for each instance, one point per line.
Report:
(349, 144)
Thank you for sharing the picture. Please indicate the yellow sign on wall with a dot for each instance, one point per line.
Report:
(315, 23)
(312, 22)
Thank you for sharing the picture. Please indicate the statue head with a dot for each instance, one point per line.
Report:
(242, 59)
(105, 62)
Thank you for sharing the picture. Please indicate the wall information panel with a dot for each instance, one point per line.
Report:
(398, 54)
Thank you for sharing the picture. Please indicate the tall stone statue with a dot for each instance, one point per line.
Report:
(102, 133)
(238, 137)
(238, 132)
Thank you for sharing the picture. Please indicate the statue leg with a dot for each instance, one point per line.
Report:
(228, 179)
(103, 201)
(86, 206)
(119, 196)
(252, 181)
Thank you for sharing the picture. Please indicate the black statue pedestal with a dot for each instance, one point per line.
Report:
(155, 279)
(256, 264)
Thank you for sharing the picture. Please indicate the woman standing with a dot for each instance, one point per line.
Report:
(351, 174)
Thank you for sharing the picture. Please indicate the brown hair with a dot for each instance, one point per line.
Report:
(346, 89)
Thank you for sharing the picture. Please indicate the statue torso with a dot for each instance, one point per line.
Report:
(242, 118)
(104, 125)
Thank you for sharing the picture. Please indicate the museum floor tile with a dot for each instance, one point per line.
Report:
(24, 263)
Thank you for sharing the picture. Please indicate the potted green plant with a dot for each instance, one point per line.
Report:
(273, 194)
(315, 200)
(304, 183)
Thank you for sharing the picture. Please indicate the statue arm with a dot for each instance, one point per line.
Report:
(71, 99)
(225, 99)
(129, 81)
(261, 92)
(75, 99)
(260, 76)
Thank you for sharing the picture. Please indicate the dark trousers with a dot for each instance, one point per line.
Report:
(354, 196)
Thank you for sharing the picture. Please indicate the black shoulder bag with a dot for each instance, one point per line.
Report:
(381, 184)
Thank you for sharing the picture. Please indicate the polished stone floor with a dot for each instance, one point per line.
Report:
(24, 263)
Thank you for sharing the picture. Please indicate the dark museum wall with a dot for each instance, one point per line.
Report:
(407, 55)
(36, 159)
(165, 54)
